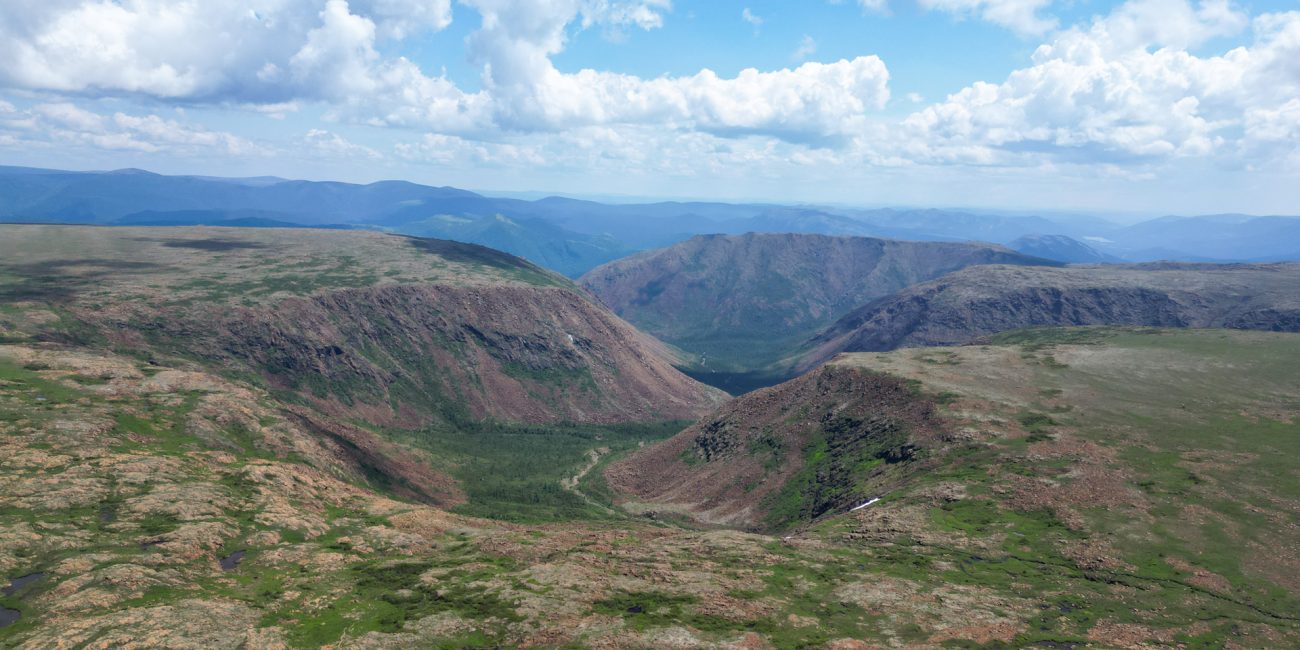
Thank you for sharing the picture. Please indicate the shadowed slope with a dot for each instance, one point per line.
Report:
(394, 331)
(976, 302)
(786, 454)
(741, 302)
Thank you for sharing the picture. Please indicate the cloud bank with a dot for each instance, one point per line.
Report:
(1133, 93)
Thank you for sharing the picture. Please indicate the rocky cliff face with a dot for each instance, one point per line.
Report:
(783, 455)
(976, 302)
(737, 302)
(408, 356)
(392, 331)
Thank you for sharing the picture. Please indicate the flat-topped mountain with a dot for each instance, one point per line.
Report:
(975, 302)
(739, 302)
(390, 330)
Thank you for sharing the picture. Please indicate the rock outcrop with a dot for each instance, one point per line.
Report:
(409, 356)
(980, 301)
(783, 455)
(364, 327)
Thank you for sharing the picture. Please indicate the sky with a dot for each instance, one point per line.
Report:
(1136, 107)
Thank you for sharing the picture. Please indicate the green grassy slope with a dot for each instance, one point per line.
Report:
(1102, 488)
(1106, 486)
(235, 266)
(1137, 481)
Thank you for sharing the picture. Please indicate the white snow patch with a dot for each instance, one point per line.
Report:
(867, 503)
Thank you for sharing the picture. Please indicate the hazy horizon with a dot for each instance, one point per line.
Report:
(1116, 217)
(1134, 107)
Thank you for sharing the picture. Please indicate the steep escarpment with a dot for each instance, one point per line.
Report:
(739, 302)
(391, 331)
(409, 356)
(787, 454)
(975, 302)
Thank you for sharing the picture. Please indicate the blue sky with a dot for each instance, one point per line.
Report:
(1143, 106)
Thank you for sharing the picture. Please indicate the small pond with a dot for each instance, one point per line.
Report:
(16, 584)
(231, 561)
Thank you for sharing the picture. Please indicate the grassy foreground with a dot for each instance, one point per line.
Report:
(1099, 487)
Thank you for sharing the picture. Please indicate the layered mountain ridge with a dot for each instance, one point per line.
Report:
(392, 330)
(979, 301)
(1061, 249)
(738, 302)
(573, 236)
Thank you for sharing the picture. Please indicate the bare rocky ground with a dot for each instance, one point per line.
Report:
(362, 326)
(984, 300)
(747, 464)
(1125, 482)
(1115, 489)
(125, 485)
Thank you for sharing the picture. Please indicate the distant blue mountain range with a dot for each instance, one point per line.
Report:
(573, 236)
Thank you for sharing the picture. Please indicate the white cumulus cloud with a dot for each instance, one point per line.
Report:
(333, 145)
(807, 47)
(1116, 96)
(526, 92)
(273, 57)
(437, 148)
(1019, 15)
(64, 123)
(237, 51)
(1126, 89)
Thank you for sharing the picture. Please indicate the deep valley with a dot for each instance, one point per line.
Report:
(261, 438)
(649, 325)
